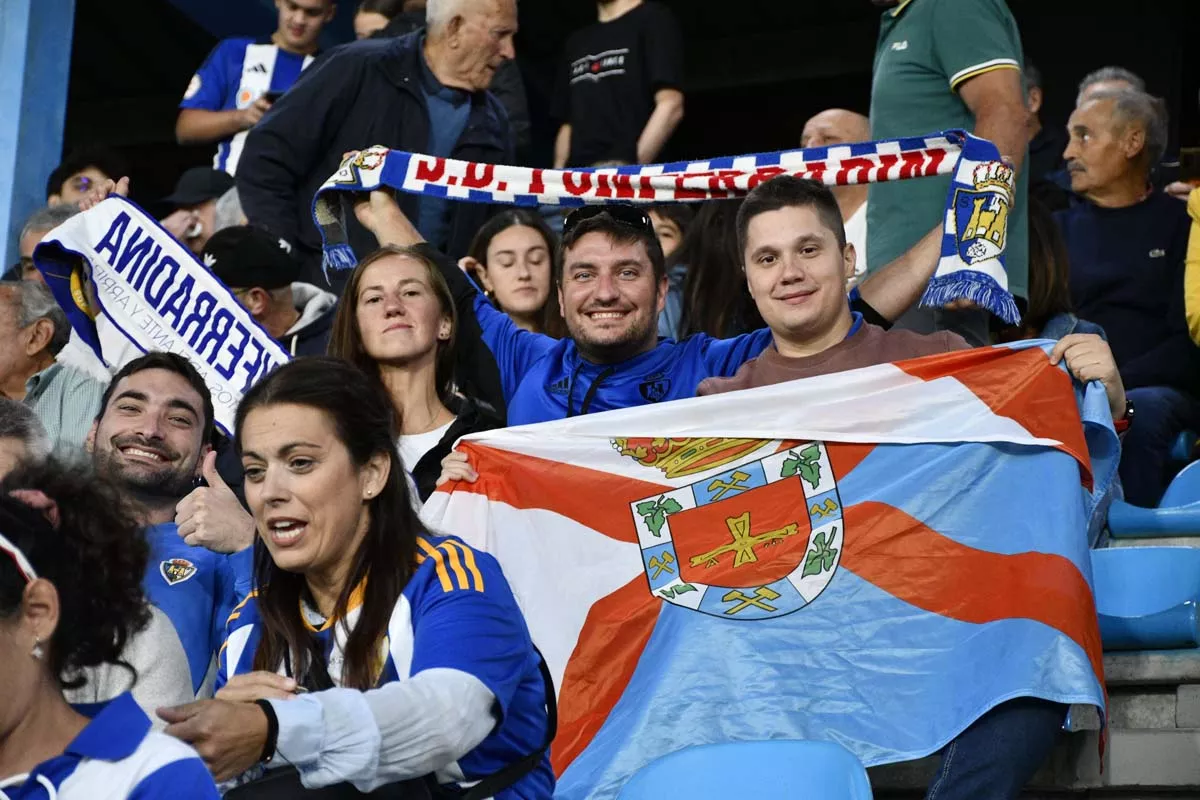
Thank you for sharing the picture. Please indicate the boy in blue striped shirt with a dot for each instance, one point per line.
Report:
(241, 77)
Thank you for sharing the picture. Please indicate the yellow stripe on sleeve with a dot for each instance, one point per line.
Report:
(959, 78)
(455, 564)
(237, 610)
(468, 557)
(439, 564)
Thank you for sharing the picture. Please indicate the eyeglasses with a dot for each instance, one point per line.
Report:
(623, 213)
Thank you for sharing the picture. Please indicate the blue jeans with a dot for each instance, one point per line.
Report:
(1161, 413)
(995, 757)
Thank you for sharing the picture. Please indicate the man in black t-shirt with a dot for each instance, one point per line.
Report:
(619, 95)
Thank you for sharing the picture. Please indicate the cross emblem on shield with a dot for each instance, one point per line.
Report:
(760, 539)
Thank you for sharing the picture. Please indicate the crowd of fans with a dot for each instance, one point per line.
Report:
(219, 590)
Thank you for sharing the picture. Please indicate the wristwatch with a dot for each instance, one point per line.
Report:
(1121, 425)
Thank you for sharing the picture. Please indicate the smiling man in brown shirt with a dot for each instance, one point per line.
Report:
(797, 261)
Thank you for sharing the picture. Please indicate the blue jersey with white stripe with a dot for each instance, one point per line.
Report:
(457, 612)
(197, 589)
(236, 73)
(116, 757)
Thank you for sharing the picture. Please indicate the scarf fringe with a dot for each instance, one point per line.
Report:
(978, 287)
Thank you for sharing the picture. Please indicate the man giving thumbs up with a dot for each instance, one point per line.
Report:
(212, 517)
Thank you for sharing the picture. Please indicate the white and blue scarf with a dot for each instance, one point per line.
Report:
(975, 226)
(129, 287)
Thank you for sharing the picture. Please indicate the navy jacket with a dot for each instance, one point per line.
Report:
(1127, 277)
(360, 94)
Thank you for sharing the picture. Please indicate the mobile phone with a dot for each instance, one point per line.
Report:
(271, 97)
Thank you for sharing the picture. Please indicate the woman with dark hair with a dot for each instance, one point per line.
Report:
(410, 649)
(715, 298)
(397, 323)
(515, 257)
(71, 566)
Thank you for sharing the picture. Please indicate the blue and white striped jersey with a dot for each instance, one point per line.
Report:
(457, 612)
(236, 73)
(116, 757)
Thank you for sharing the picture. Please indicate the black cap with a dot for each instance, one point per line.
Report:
(198, 185)
(245, 257)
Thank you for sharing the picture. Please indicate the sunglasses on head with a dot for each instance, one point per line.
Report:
(625, 214)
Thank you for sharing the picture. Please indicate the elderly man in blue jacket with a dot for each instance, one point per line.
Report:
(422, 93)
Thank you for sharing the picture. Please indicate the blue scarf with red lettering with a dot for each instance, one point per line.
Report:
(975, 225)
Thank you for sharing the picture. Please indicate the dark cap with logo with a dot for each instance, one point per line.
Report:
(245, 257)
(199, 185)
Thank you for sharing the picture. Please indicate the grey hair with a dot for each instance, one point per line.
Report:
(17, 421)
(1147, 111)
(1106, 74)
(439, 12)
(34, 302)
(228, 211)
(48, 218)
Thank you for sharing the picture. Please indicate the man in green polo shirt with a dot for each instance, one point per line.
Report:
(943, 64)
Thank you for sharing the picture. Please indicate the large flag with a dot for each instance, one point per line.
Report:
(874, 557)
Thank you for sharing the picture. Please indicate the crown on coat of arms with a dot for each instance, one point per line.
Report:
(993, 175)
(687, 456)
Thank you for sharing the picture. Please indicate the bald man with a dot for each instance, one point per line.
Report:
(839, 126)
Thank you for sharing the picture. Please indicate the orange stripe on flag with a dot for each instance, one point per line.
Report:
(1019, 384)
(556, 486)
(902, 556)
(612, 640)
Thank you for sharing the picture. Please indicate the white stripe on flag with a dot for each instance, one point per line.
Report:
(555, 609)
(880, 404)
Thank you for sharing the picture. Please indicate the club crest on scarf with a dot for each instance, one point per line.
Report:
(761, 539)
(369, 161)
(981, 213)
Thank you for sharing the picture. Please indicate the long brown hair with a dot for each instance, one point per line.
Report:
(550, 321)
(715, 298)
(1049, 276)
(364, 420)
(346, 341)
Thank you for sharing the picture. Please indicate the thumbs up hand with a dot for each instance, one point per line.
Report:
(211, 516)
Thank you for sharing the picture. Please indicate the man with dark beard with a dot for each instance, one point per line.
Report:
(152, 436)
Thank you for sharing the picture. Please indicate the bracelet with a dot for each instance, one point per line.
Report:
(268, 752)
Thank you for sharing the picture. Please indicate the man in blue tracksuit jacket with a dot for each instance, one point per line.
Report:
(152, 438)
(613, 286)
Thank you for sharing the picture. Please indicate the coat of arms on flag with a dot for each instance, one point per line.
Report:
(759, 540)
(831, 558)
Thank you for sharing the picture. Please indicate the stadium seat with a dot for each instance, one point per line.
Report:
(1185, 444)
(1146, 597)
(1178, 513)
(778, 768)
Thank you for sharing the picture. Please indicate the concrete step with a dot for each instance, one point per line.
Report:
(1152, 667)
(1157, 541)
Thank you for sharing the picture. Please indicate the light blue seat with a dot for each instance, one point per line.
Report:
(1181, 450)
(781, 768)
(1178, 513)
(1147, 597)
